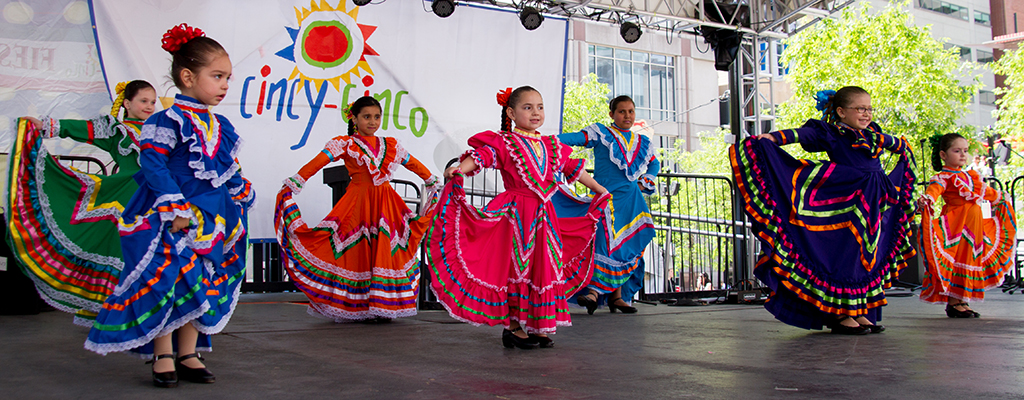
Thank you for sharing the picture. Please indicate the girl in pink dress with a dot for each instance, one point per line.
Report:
(514, 262)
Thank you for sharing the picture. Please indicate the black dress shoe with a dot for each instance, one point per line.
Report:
(195, 375)
(542, 341)
(625, 309)
(840, 329)
(163, 379)
(510, 340)
(874, 328)
(585, 301)
(952, 312)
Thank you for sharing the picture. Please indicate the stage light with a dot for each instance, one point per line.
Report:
(725, 42)
(530, 18)
(443, 8)
(361, 2)
(630, 32)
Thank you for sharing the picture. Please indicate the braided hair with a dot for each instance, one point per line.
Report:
(829, 100)
(513, 100)
(356, 107)
(941, 143)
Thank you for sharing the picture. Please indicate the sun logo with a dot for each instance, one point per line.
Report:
(328, 45)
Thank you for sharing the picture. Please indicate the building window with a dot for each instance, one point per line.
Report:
(984, 56)
(965, 52)
(986, 97)
(950, 9)
(646, 77)
(981, 18)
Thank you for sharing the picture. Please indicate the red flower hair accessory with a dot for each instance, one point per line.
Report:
(175, 37)
(503, 97)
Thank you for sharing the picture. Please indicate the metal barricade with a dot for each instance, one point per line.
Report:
(92, 165)
(699, 249)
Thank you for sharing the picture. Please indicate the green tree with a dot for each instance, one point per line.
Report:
(1010, 112)
(917, 87)
(585, 103)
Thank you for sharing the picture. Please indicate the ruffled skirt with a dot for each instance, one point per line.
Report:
(514, 260)
(172, 279)
(360, 261)
(964, 253)
(63, 226)
(832, 236)
(624, 231)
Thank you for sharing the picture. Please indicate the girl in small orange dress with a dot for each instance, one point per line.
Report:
(359, 263)
(965, 251)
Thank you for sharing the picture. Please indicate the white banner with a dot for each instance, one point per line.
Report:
(436, 77)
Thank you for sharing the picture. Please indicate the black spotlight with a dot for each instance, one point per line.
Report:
(630, 32)
(725, 42)
(530, 18)
(443, 8)
(361, 2)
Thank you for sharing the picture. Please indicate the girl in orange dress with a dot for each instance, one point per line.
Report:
(965, 252)
(360, 262)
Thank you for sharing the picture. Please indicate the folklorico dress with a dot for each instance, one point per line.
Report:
(624, 163)
(193, 276)
(965, 253)
(515, 259)
(360, 261)
(834, 233)
(62, 222)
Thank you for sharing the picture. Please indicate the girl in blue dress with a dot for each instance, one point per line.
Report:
(183, 233)
(624, 163)
(833, 233)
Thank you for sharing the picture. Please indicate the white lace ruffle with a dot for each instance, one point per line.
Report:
(295, 183)
(47, 212)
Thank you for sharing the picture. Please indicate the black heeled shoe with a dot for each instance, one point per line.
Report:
(585, 301)
(510, 340)
(163, 379)
(195, 375)
(952, 312)
(625, 309)
(542, 341)
(874, 328)
(839, 329)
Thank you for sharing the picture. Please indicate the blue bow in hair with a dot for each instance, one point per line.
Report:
(822, 97)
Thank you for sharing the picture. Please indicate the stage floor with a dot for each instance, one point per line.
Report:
(273, 349)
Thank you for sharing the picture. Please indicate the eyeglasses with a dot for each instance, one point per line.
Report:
(862, 110)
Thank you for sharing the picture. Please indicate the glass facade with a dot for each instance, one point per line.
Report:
(646, 77)
(981, 18)
(950, 9)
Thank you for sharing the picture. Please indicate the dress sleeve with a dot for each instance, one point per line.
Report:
(810, 136)
(333, 151)
(577, 139)
(485, 151)
(158, 139)
(241, 191)
(103, 131)
(573, 168)
(648, 181)
(892, 143)
(935, 187)
(988, 193)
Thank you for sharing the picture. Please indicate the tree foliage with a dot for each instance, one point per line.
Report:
(1010, 112)
(917, 87)
(585, 103)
